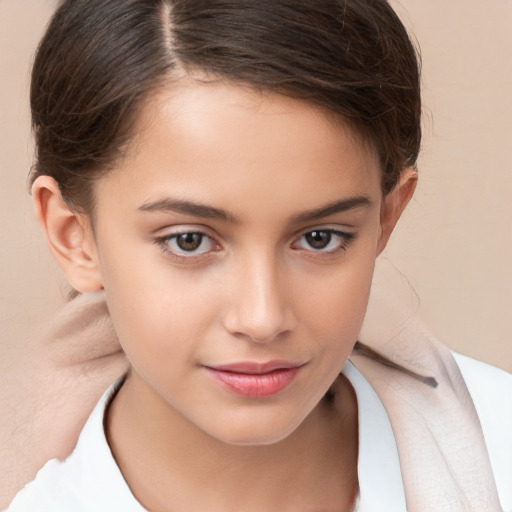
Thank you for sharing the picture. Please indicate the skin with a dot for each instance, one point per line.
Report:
(254, 289)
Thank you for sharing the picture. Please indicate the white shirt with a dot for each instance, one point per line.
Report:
(89, 480)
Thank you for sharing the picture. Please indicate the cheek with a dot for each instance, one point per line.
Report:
(336, 301)
(336, 313)
(158, 313)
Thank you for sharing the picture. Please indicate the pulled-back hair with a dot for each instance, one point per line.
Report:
(101, 59)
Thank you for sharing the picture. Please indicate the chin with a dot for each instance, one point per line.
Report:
(253, 433)
(254, 438)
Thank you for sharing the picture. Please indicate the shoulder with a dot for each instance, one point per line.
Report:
(89, 479)
(491, 391)
(48, 492)
(474, 370)
(490, 388)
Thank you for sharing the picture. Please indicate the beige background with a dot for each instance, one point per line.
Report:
(454, 245)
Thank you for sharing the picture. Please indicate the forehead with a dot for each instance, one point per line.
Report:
(218, 142)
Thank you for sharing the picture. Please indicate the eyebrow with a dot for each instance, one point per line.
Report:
(342, 205)
(210, 212)
(188, 208)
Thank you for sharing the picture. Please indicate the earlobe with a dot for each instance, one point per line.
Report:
(68, 235)
(394, 204)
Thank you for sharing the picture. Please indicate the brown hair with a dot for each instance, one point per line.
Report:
(100, 59)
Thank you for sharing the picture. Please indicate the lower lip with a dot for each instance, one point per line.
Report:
(255, 385)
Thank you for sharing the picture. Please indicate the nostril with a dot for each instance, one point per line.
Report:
(273, 337)
(272, 330)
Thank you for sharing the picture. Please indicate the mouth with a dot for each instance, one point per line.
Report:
(255, 380)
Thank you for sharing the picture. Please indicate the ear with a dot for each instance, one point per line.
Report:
(394, 204)
(68, 234)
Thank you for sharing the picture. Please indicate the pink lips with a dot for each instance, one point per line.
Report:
(255, 380)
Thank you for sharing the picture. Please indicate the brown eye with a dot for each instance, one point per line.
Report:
(189, 241)
(187, 244)
(318, 239)
(326, 241)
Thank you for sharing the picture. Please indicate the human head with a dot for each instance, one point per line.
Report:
(100, 60)
(266, 174)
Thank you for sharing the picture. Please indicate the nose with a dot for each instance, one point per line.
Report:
(259, 308)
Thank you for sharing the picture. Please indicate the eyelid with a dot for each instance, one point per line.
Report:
(335, 228)
(177, 229)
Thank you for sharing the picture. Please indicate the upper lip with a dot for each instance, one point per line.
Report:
(255, 368)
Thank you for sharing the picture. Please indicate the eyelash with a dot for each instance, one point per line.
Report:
(163, 242)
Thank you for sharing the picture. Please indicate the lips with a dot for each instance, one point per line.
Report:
(255, 380)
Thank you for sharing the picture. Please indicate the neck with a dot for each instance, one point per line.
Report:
(167, 460)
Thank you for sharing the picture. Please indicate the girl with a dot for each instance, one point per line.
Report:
(227, 172)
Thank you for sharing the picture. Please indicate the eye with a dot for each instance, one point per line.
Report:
(187, 244)
(324, 240)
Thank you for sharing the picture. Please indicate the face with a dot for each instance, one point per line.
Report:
(236, 244)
